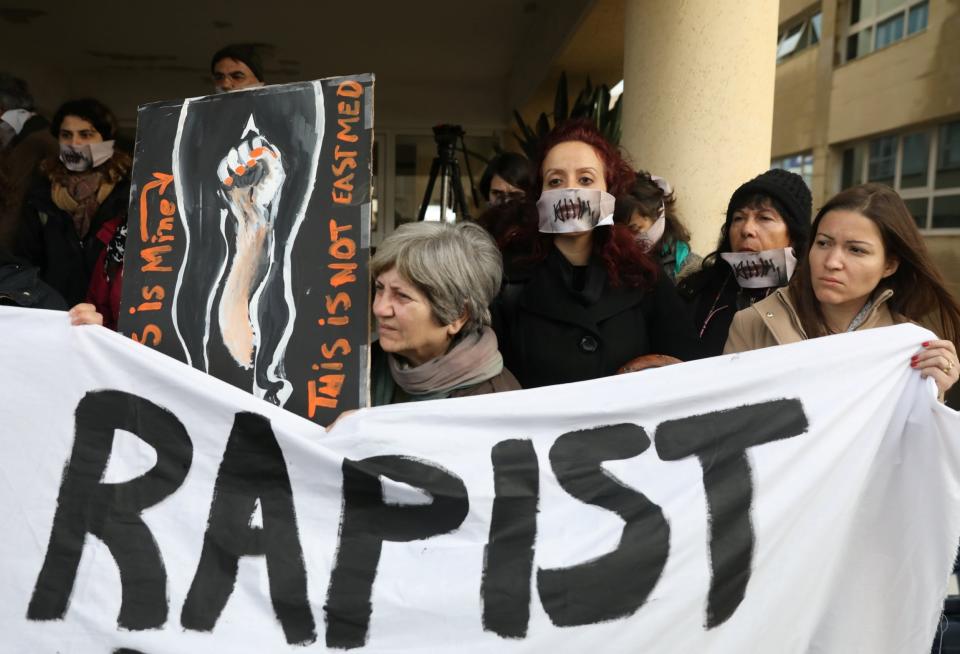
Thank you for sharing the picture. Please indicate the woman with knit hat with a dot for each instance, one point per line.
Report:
(766, 231)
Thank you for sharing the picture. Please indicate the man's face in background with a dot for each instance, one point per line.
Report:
(232, 75)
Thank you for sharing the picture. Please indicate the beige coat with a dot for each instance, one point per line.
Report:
(774, 321)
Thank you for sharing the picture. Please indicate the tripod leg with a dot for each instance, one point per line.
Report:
(459, 199)
(466, 160)
(434, 169)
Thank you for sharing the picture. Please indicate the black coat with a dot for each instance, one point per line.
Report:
(20, 286)
(713, 297)
(551, 333)
(49, 240)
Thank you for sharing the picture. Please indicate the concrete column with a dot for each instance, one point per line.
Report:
(698, 99)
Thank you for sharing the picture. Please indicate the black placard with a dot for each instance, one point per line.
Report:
(247, 249)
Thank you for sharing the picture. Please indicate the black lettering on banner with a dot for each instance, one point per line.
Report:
(366, 522)
(252, 469)
(720, 441)
(615, 584)
(508, 556)
(111, 512)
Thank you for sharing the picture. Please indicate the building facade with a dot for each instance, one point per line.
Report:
(869, 90)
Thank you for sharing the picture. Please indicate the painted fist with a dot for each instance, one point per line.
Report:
(251, 177)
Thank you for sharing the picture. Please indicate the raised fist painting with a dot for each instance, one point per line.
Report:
(252, 177)
(245, 168)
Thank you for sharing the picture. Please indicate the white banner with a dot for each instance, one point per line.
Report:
(798, 499)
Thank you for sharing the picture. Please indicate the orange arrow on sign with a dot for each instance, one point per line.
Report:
(161, 181)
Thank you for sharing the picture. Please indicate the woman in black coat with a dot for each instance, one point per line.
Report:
(767, 217)
(76, 206)
(586, 300)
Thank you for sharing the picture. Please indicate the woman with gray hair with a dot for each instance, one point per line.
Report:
(433, 285)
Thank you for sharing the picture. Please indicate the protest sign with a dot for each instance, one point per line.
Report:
(794, 499)
(248, 236)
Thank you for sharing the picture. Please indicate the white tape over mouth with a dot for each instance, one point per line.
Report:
(763, 269)
(571, 210)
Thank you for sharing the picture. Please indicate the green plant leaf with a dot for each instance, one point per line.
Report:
(560, 106)
(529, 135)
(601, 108)
(543, 126)
(592, 102)
(524, 129)
(527, 139)
(613, 131)
(582, 107)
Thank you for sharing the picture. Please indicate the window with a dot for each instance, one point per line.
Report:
(889, 31)
(801, 164)
(882, 160)
(875, 24)
(789, 43)
(815, 25)
(946, 212)
(948, 158)
(918, 18)
(916, 158)
(918, 209)
(922, 165)
(859, 44)
(798, 36)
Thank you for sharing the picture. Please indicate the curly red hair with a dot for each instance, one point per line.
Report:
(626, 263)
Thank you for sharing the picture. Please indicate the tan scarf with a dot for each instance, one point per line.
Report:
(80, 195)
(476, 358)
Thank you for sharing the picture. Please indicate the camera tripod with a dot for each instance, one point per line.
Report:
(446, 167)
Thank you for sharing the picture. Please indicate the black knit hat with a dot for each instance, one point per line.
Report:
(241, 52)
(789, 190)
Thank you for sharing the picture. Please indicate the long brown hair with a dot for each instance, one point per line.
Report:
(919, 290)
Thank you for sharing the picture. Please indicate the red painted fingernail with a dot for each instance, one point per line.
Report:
(925, 343)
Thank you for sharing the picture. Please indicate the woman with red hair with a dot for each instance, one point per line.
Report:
(584, 298)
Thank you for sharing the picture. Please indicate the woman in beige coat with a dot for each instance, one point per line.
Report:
(867, 267)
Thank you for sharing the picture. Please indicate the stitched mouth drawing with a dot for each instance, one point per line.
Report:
(72, 156)
(753, 269)
(573, 209)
